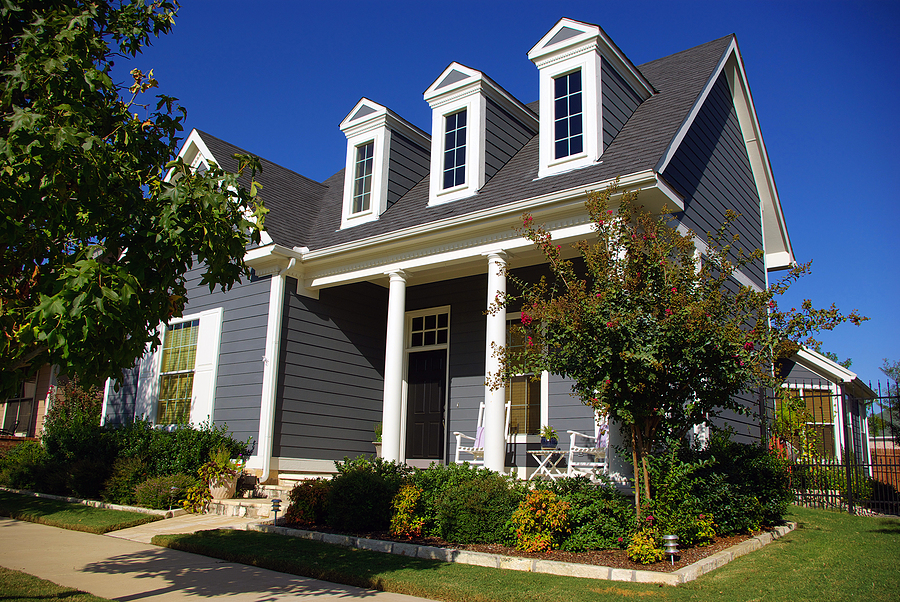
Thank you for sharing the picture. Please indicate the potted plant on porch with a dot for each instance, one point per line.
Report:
(377, 442)
(549, 438)
(221, 474)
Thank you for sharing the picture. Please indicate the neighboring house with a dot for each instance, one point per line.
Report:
(835, 400)
(369, 296)
(23, 414)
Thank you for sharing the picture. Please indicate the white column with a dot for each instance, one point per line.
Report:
(393, 369)
(495, 401)
(263, 459)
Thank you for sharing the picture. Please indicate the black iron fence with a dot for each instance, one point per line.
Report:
(843, 445)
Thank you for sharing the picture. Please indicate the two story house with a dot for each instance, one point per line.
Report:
(370, 295)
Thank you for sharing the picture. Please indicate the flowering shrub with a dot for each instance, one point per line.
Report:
(407, 520)
(541, 521)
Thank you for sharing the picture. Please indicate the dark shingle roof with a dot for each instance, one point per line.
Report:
(292, 200)
(305, 213)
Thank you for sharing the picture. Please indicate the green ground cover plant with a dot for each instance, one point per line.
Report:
(831, 556)
(67, 515)
(22, 587)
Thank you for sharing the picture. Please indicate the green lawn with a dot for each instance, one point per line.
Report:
(67, 515)
(830, 556)
(22, 587)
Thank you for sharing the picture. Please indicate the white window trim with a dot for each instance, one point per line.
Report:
(545, 393)
(588, 61)
(378, 195)
(475, 105)
(206, 366)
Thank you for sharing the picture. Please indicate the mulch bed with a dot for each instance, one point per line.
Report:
(617, 559)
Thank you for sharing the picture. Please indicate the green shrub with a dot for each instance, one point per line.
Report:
(479, 510)
(86, 477)
(22, 466)
(181, 450)
(72, 426)
(307, 503)
(360, 501)
(164, 492)
(541, 521)
(407, 520)
(434, 481)
(745, 487)
(127, 473)
(600, 517)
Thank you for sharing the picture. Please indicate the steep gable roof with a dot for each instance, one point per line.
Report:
(293, 200)
(638, 147)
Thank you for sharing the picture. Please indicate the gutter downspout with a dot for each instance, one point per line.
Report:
(270, 371)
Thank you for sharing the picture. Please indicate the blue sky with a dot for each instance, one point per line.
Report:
(278, 78)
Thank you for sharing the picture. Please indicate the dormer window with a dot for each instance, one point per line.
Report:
(455, 150)
(567, 118)
(362, 183)
(476, 128)
(386, 157)
(588, 90)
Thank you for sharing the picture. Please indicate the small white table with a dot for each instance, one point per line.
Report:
(548, 463)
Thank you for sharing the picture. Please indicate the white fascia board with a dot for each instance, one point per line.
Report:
(193, 146)
(371, 257)
(822, 365)
(779, 253)
(275, 259)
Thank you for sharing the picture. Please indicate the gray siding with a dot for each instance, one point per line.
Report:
(712, 171)
(243, 344)
(619, 102)
(332, 373)
(120, 404)
(243, 341)
(504, 137)
(409, 163)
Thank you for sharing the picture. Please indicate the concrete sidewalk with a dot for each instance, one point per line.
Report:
(122, 569)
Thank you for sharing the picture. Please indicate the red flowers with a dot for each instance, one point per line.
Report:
(526, 319)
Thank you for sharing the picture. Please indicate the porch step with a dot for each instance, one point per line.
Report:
(243, 508)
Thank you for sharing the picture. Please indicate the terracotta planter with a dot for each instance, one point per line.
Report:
(223, 489)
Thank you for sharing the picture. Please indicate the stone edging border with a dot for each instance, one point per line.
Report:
(553, 567)
(96, 504)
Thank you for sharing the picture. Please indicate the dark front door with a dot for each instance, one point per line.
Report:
(427, 386)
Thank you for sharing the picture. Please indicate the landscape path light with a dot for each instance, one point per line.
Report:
(670, 543)
(276, 506)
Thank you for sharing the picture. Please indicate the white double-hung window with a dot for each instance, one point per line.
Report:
(176, 379)
(177, 382)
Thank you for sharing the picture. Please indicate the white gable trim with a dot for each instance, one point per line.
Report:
(779, 253)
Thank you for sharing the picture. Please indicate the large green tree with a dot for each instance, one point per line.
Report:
(96, 239)
(655, 334)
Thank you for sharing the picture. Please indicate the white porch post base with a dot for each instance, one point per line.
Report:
(495, 401)
(393, 369)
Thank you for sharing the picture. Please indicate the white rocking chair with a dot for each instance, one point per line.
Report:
(591, 451)
(475, 445)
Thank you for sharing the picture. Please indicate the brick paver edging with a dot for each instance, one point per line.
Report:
(553, 567)
(96, 504)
